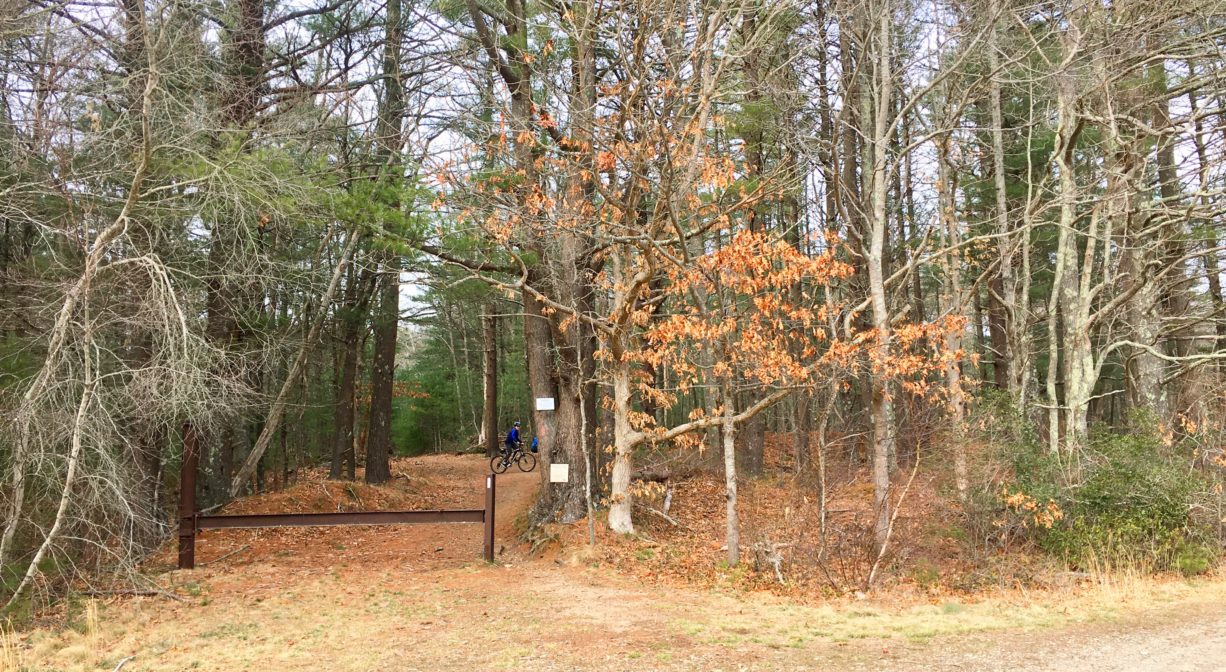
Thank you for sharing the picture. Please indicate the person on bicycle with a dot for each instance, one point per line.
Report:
(512, 439)
(512, 453)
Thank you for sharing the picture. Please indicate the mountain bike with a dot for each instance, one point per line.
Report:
(503, 461)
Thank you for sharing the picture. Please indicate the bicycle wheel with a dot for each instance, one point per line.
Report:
(498, 465)
(526, 462)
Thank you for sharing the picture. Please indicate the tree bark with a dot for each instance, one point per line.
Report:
(343, 413)
(1070, 296)
(625, 438)
(954, 300)
(1016, 309)
(732, 524)
(231, 301)
(998, 333)
(489, 409)
(383, 375)
(882, 408)
(352, 318)
(1177, 298)
(387, 322)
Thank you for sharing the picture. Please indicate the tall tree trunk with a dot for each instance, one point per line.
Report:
(383, 375)
(343, 412)
(387, 322)
(1177, 299)
(352, 318)
(954, 300)
(802, 416)
(1213, 274)
(489, 409)
(753, 440)
(625, 438)
(1014, 352)
(538, 347)
(754, 433)
(1143, 370)
(882, 409)
(231, 301)
(998, 333)
(550, 373)
(1070, 291)
(732, 525)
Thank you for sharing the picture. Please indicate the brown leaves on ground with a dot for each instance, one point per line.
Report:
(781, 535)
(429, 482)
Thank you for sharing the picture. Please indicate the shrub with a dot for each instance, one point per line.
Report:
(1123, 501)
(1194, 559)
(1128, 505)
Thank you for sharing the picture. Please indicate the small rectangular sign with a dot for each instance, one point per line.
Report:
(559, 473)
(544, 403)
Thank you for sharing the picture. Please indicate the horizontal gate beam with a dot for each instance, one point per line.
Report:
(348, 518)
(191, 522)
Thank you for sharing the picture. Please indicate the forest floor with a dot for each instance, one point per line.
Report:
(419, 598)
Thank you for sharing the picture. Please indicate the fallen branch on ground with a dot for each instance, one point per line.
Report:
(231, 553)
(132, 593)
(661, 514)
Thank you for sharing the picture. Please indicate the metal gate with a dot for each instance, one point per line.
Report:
(191, 521)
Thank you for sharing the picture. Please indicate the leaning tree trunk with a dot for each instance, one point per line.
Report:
(24, 417)
(70, 478)
(277, 412)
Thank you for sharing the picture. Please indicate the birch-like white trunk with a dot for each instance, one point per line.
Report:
(732, 531)
(621, 502)
(882, 407)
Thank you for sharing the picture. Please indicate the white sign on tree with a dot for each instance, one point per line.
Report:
(544, 403)
(559, 473)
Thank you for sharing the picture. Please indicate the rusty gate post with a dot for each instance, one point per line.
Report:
(187, 498)
(489, 518)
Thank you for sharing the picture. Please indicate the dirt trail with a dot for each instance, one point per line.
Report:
(444, 481)
(419, 598)
(1191, 638)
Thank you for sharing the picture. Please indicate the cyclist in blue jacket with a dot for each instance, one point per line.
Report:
(512, 438)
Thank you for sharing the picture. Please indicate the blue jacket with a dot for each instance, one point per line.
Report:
(513, 436)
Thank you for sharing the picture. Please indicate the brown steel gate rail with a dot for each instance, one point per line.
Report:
(191, 522)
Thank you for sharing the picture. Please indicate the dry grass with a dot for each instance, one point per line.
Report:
(370, 598)
(91, 619)
(546, 616)
(11, 659)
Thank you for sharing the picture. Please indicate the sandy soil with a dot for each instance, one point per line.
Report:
(419, 598)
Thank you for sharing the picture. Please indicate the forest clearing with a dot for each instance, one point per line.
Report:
(863, 334)
(419, 598)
